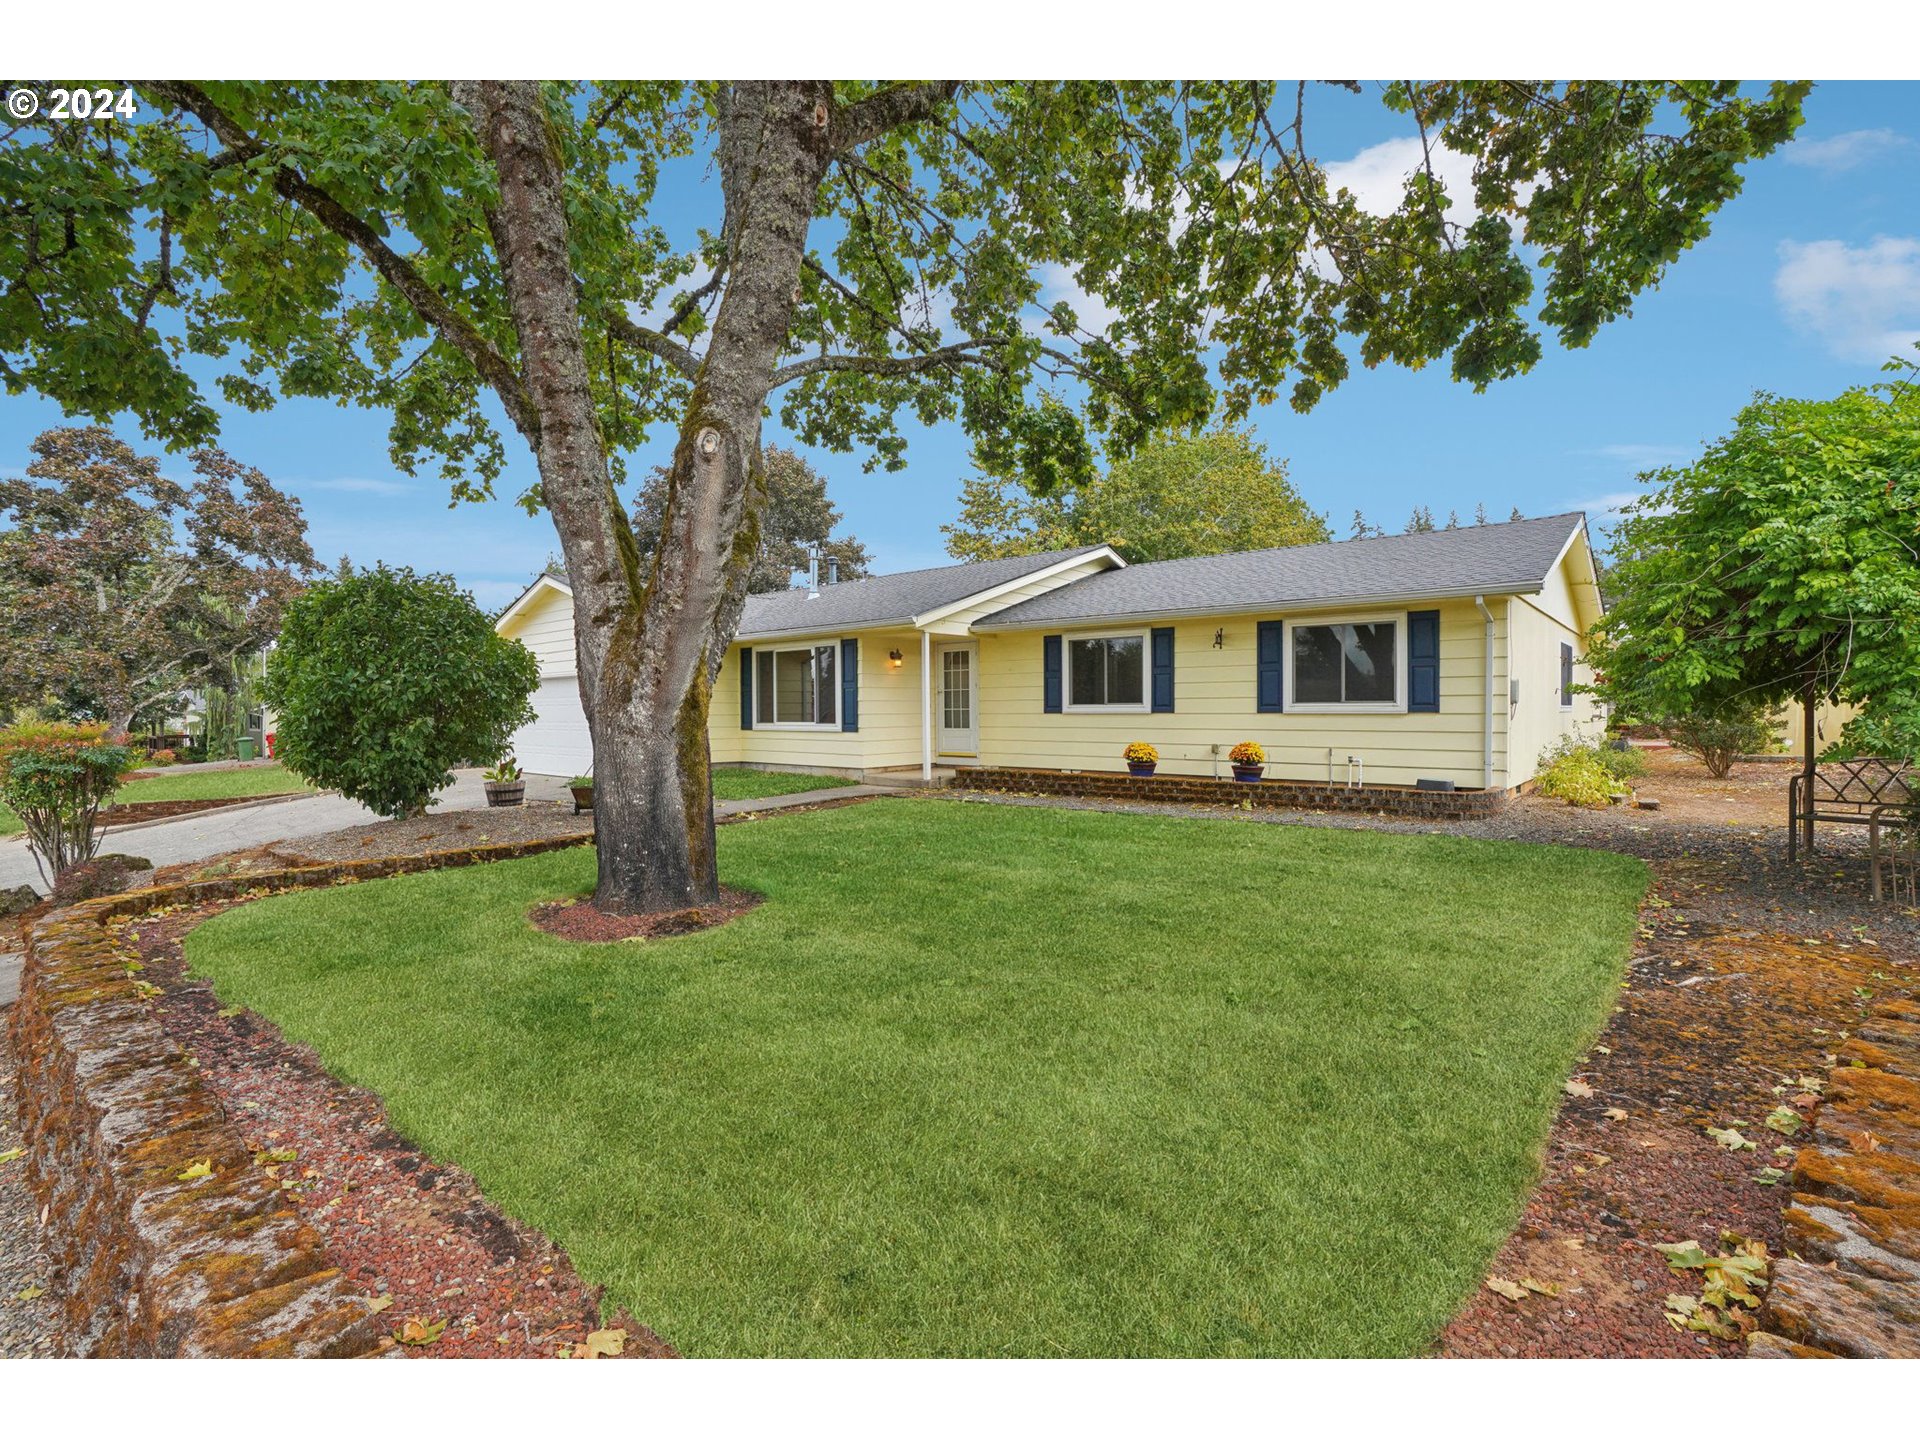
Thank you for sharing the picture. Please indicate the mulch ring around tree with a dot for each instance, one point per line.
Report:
(579, 920)
(464, 1279)
(1680, 1124)
(136, 811)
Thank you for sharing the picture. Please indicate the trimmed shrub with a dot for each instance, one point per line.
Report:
(1577, 773)
(1623, 761)
(385, 681)
(1717, 738)
(104, 875)
(55, 778)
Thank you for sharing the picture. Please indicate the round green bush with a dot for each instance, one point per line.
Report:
(385, 680)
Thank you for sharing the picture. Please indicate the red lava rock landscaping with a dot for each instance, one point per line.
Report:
(579, 920)
(1716, 1026)
(397, 1224)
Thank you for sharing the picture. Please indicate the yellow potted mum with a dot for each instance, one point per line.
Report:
(1248, 760)
(1141, 758)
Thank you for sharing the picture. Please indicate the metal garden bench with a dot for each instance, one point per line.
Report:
(1848, 792)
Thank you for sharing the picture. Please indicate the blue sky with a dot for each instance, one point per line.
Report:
(1810, 279)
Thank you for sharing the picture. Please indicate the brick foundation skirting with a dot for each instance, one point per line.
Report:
(146, 1261)
(1265, 794)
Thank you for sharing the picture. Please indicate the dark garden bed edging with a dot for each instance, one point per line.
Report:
(1851, 1283)
(165, 1238)
(1267, 794)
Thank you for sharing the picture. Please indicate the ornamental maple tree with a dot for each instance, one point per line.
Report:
(121, 587)
(475, 254)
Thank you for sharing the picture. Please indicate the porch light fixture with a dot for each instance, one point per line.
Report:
(1220, 638)
(893, 658)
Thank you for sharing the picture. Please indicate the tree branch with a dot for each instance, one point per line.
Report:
(428, 303)
(964, 352)
(621, 327)
(868, 119)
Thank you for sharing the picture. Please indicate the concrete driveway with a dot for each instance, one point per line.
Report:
(241, 827)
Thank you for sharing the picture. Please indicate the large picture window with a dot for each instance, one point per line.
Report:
(1107, 672)
(795, 686)
(1346, 665)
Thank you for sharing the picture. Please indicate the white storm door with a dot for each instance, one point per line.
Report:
(956, 708)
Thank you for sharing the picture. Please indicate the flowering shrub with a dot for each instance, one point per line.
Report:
(270, 738)
(1248, 752)
(162, 757)
(1141, 753)
(56, 778)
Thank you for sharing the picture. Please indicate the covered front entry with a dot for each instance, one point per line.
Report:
(956, 667)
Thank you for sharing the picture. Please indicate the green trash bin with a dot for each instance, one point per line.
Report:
(246, 747)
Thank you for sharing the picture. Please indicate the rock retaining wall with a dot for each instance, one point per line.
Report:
(154, 1255)
(1850, 1285)
(1265, 794)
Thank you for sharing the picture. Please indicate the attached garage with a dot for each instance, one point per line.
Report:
(557, 742)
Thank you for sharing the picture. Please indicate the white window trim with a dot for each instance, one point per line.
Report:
(1398, 706)
(1146, 674)
(808, 646)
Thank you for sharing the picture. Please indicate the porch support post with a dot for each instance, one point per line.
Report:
(926, 706)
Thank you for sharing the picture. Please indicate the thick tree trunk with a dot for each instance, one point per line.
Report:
(649, 644)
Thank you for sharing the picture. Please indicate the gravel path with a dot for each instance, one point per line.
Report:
(26, 1319)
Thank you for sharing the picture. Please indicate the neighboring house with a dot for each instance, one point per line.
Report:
(1454, 655)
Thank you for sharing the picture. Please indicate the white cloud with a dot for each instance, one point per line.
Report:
(657, 315)
(1057, 284)
(1861, 301)
(1378, 177)
(1845, 151)
(355, 486)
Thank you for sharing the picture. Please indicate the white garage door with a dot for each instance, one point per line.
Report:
(557, 742)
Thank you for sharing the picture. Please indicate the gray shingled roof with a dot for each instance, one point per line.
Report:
(886, 599)
(1509, 559)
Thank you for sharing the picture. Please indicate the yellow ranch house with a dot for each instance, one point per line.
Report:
(1447, 660)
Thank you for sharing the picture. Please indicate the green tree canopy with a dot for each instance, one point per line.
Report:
(1186, 495)
(121, 587)
(797, 526)
(1784, 562)
(385, 681)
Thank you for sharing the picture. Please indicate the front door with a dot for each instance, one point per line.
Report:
(959, 688)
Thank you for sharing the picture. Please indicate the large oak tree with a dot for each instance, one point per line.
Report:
(480, 255)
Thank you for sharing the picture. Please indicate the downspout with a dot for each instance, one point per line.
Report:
(926, 706)
(1486, 720)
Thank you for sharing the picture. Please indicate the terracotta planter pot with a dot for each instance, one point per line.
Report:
(505, 792)
(1248, 773)
(1139, 772)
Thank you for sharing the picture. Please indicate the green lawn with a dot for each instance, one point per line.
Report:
(754, 784)
(979, 1080)
(211, 784)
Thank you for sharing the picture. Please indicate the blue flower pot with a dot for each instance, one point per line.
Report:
(1248, 774)
(1139, 772)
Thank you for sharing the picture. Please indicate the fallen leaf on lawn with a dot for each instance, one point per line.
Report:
(1614, 1113)
(1784, 1152)
(1729, 1137)
(1785, 1120)
(1539, 1287)
(230, 1011)
(1769, 1175)
(13, 1154)
(605, 1342)
(1579, 1089)
(421, 1332)
(32, 1292)
(1811, 1082)
(1505, 1287)
(379, 1303)
(198, 1170)
(275, 1157)
(1863, 1142)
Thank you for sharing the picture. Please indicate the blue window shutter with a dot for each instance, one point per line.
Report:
(849, 684)
(746, 687)
(1423, 660)
(1050, 674)
(1163, 669)
(1270, 666)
